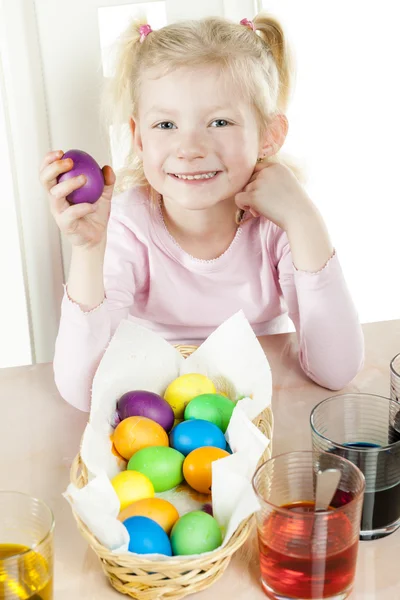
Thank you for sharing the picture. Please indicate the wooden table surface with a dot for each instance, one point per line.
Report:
(40, 436)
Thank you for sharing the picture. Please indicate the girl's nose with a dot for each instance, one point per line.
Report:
(191, 146)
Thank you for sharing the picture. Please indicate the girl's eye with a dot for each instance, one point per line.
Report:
(220, 123)
(166, 125)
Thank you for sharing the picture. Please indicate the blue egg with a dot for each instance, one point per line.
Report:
(147, 536)
(196, 433)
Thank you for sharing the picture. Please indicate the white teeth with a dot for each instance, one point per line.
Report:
(203, 176)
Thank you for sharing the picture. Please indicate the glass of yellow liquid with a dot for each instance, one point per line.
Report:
(26, 548)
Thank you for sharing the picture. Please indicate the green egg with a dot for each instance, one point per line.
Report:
(195, 533)
(211, 407)
(161, 464)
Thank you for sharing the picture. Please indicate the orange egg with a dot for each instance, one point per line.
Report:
(117, 454)
(161, 511)
(135, 433)
(197, 467)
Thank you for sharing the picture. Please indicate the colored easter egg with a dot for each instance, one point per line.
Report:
(131, 486)
(135, 433)
(84, 164)
(207, 508)
(159, 510)
(195, 533)
(197, 469)
(184, 388)
(211, 407)
(189, 435)
(146, 404)
(147, 537)
(163, 466)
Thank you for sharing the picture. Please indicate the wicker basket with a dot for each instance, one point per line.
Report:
(146, 579)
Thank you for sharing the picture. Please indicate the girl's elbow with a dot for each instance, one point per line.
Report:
(338, 369)
(337, 379)
(74, 394)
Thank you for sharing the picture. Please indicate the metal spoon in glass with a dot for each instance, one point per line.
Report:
(327, 483)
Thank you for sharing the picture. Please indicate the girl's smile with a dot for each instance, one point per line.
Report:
(196, 177)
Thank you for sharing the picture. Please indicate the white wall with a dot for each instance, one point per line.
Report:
(344, 123)
(15, 346)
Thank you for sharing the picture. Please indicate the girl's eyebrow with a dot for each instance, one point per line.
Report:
(159, 109)
(171, 111)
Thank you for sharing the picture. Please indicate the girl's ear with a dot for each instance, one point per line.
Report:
(137, 139)
(274, 136)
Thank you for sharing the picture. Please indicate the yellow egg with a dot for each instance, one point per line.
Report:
(186, 387)
(131, 486)
(161, 511)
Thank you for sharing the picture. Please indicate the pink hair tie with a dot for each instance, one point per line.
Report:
(144, 31)
(248, 24)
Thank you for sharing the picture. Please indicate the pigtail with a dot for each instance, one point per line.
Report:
(271, 33)
(117, 91)
(118, 102)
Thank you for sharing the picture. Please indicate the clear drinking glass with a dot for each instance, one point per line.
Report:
(395, 378)
(26, 548)
(306, 554)
(365, 429)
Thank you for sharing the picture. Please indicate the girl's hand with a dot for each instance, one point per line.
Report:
(274, 192)
(85, 225)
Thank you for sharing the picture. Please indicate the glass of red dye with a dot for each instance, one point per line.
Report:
(307, 555)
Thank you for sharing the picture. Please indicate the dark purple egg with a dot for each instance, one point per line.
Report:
(146, 404)
(84, 164)
(207, 508)
(115, 419)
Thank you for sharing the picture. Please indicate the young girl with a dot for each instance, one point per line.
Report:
(210, 220)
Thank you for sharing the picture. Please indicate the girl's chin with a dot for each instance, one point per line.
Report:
(193, 202)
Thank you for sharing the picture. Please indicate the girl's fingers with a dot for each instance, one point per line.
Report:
(48, 176)
(254, 212)
(109, 175)
(242, 200)
(57, 205)
(59, 192)
(68, 218)
(259, 167)
(51, 157)
(63, 189)
(251, 186)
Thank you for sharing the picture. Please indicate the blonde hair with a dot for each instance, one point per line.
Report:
(258, 62)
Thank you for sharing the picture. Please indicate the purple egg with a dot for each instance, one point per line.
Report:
(207, 508)
(146, 404)
(84, 164)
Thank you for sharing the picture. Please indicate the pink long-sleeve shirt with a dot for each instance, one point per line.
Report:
(149, 279)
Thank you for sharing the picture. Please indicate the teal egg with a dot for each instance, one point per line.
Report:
(195, 533)
(161, 464)
(211, 407)
(147, 537)
(196, 433)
